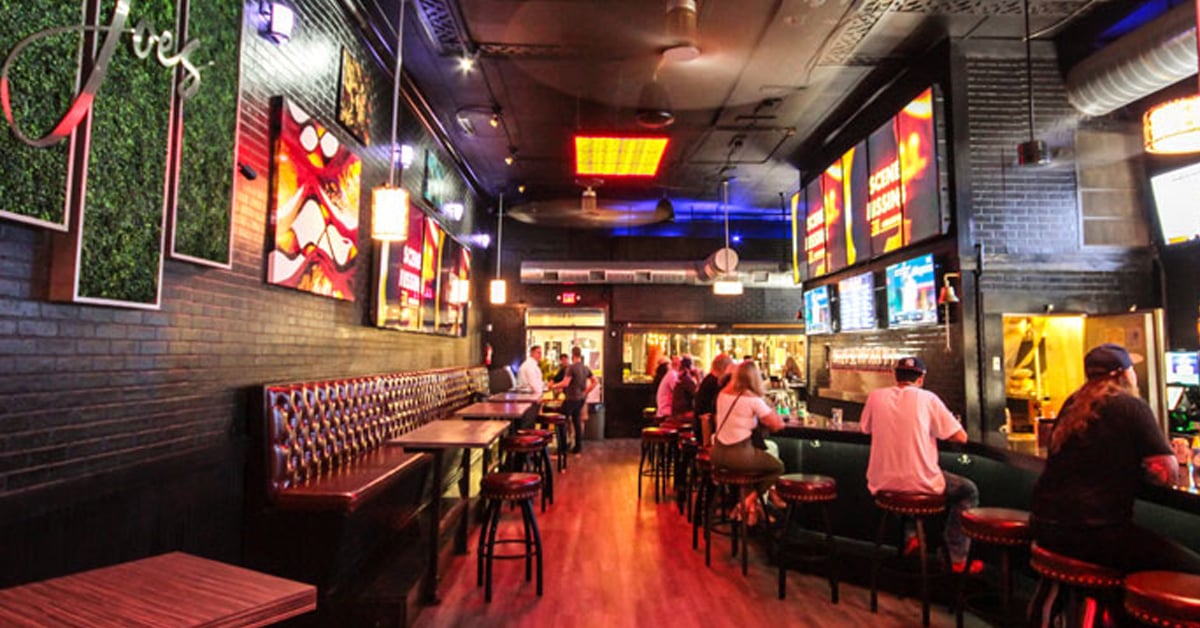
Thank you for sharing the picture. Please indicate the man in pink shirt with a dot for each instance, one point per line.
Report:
(905, 422)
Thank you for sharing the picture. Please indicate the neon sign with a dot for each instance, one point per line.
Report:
(144, 40)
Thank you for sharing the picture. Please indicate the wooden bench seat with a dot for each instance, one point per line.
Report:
(347, 487)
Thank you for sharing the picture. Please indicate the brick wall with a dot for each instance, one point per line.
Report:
(90, 393)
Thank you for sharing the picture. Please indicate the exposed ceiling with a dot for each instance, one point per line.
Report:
(768, 73)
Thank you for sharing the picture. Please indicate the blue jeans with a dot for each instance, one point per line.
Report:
(961, 494)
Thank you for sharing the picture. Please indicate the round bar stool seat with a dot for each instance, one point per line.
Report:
(1090, 589)
(557, 421)
(495, 489)
(904, 504)
(723, 478)
(529, 449)
(798, 489)
(1004, 527)
(1163, 598)
(658, 444)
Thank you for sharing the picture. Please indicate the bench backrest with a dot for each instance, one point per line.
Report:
(315, 427)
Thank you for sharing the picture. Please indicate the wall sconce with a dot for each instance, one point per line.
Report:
(278, 21)
(728, 287)
(947, 294)
(389, 213)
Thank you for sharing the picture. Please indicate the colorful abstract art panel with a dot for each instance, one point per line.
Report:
(315, 188)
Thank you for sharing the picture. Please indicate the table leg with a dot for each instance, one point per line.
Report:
(430, 593)
(464, 492)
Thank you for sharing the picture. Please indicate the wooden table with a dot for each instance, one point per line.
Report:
(173, 589)
(436, 437)
(510, 410)
(513, 395)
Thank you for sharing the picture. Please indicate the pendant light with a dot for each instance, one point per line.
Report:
(727, 284)
(498, 290)
(1033, 152)
(390, 202)
(1173, 127)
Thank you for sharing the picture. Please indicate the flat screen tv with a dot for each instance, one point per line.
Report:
(1183, 368)
(856, 302)
(912, 293)
(817, 315)
(1178, 203)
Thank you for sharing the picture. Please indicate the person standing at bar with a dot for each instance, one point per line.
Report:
(1107, 442)
(576, 386)
(905, 422)
(529, 376)
(666, 390)
(564, 361)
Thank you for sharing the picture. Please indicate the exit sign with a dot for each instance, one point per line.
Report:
(568, 298)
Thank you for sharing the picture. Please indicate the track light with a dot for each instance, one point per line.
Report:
(495, 120)
(466, 63)
(512, 156)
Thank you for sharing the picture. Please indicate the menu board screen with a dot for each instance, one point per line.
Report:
(911, 294)
(856, 302)
(814, 230)
(858, 231)
(817, 316)
(799, 214)
(1183, 368)
(918, 169)
(885, 195)
(835, 223)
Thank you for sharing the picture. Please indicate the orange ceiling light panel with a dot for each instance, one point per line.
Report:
(619, 156)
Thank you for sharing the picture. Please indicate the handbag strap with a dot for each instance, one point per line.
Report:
(727, 412)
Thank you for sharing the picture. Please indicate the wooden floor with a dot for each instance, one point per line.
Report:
(613, 561)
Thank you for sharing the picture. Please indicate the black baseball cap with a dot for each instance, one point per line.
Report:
(911, 363)
(1106, 360)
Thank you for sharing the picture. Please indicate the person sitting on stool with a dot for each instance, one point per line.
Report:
(1106, 443)
(905, 422)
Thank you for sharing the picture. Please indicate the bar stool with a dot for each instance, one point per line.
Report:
(1163, 598)
(798, 489)
(685, 472)
(556, 421)
(1092, 591)
(704, 491)
(495, 489)
(527, 452)
(915, 505)
(726, 480)
(657, 446)
(1005, 528)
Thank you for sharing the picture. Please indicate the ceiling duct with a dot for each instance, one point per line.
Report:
(1145, 61)
(681, 30)
(758, 274)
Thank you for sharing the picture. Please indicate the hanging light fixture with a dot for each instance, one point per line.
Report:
(1032, 152)
(725, 260)
(498, 290)
(390, 203)
(1173, 127)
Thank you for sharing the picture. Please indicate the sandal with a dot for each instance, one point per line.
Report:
(752, 516)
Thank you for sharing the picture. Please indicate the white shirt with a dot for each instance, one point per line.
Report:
(666, 390)
(738, 416)
(905, 423)
(530, 376)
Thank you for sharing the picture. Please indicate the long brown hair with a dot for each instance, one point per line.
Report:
(746, 379)
(1084, 406)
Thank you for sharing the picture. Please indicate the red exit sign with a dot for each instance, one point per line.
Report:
(568, 298)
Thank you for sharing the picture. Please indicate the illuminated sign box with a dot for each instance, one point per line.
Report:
(620, 156)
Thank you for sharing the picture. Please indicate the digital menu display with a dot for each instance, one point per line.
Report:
(424, 281)
(856, 302)
(911, 296)
(799, 213)
(817, 316)
(832, 189)
(1177, 203)
(814, 232)
(880, 196)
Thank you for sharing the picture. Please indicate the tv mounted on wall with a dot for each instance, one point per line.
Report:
(912, 292)
(856, 302)
(1178, 204)
(818, 318)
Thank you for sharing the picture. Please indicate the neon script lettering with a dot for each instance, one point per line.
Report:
(144, 40)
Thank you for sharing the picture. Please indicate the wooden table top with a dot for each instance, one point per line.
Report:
(494, 410)
(450, 433)
(513, 395)
(173, 589)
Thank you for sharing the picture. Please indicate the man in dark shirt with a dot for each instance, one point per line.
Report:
(1106, 443)
(576, 386)
(563, 362)
(710, 386)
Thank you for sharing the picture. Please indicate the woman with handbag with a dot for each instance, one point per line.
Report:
(741, 412)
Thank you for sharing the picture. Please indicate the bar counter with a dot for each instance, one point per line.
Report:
(1004, 471)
